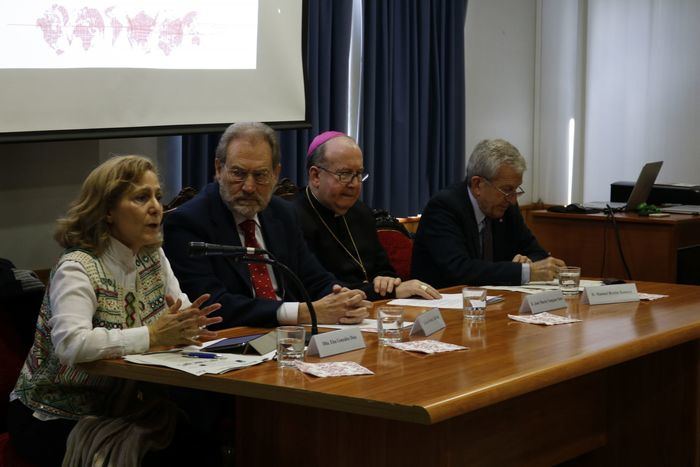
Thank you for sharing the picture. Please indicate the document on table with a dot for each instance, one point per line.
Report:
(547, 319)
(448, 300)
(541, 286)
(367, 325)
(178, 360)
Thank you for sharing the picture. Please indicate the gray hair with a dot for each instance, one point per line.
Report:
(490, 154)
(248, 130)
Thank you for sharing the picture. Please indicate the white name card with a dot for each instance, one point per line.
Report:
(617, 293)
(428, 323)
(335, 342)
(543, 301)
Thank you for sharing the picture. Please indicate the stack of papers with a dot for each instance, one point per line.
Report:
(536, 287)
(178, 360)
(367, 325)
(448, 300)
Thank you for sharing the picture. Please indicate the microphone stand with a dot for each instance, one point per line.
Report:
(243, 258)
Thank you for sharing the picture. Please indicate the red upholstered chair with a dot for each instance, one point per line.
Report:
(396, 240)
(8, 455)
(19, 308)
(399, 249)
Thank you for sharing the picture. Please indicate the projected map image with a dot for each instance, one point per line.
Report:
(209, 34)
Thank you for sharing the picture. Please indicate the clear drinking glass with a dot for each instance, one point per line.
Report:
(389, 324)
(474, 303)
(290, 345)
(569, 279)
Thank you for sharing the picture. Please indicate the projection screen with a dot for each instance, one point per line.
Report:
(129, 67)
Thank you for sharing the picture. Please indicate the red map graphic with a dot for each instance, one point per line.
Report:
(51, 24)
(60, 28)
(88, 23)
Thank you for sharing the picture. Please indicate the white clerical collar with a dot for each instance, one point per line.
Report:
(480, 216)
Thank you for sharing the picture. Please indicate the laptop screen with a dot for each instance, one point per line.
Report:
(642, 188)
(640, 191)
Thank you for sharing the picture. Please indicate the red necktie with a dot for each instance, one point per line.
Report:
(259, 275)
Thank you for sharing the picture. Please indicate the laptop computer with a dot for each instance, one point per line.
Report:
(640, 192)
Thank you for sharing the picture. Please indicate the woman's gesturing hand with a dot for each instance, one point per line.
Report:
(183, 326)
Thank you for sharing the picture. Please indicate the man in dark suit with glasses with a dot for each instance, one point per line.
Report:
(239, 209)
(339, 228)
(473, 232)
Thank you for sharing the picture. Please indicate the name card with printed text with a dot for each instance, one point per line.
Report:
(428, 323)
(335, 342)
(543, 301)
(617, 293)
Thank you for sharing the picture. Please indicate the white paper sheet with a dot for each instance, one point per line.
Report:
(448, 301)
(199, 366)
(367, 325)
(535, 287)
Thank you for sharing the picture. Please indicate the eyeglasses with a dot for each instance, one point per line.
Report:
(261, 177)
(346, 177)
(518, 192)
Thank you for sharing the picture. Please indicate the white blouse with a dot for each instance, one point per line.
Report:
(73, 304)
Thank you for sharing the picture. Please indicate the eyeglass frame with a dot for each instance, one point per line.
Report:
(517, 193)
(246, 173)
(361, 176)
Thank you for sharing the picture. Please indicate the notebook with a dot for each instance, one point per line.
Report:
(640, 192)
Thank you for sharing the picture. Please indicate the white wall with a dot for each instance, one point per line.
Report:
(500, 75)
(39, 180)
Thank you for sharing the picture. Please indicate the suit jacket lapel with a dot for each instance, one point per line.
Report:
(226, 233)
(273, 233)
(471, 227)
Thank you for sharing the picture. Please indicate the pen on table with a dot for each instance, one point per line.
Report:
(200, 355)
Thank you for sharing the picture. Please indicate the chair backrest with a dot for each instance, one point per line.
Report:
(185, 195)
(396, 240)
(286, 189)
(384, 220)
(399, 249)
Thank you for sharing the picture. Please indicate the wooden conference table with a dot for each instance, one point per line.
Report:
(619, 388)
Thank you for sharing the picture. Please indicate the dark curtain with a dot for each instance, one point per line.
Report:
(412, 119)
(198, 159)
(326, 49)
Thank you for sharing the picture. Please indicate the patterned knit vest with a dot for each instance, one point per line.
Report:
(47, 386)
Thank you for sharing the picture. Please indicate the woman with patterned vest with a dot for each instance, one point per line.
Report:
(111, 293)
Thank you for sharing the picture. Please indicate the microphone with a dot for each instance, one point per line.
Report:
(256, 255)
(212, 249)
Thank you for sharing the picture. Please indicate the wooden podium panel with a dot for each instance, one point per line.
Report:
(618, 388)
(650, 245)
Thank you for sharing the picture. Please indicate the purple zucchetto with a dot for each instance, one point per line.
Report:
(322, 138)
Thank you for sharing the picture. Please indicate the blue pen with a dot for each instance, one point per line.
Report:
(200, 355)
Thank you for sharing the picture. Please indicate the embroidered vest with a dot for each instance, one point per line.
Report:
(46, 385)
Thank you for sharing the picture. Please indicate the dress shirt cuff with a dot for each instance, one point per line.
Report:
(136, 340)
(525, 273)
(288, 313)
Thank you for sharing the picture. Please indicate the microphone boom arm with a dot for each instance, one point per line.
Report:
(293, 276)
